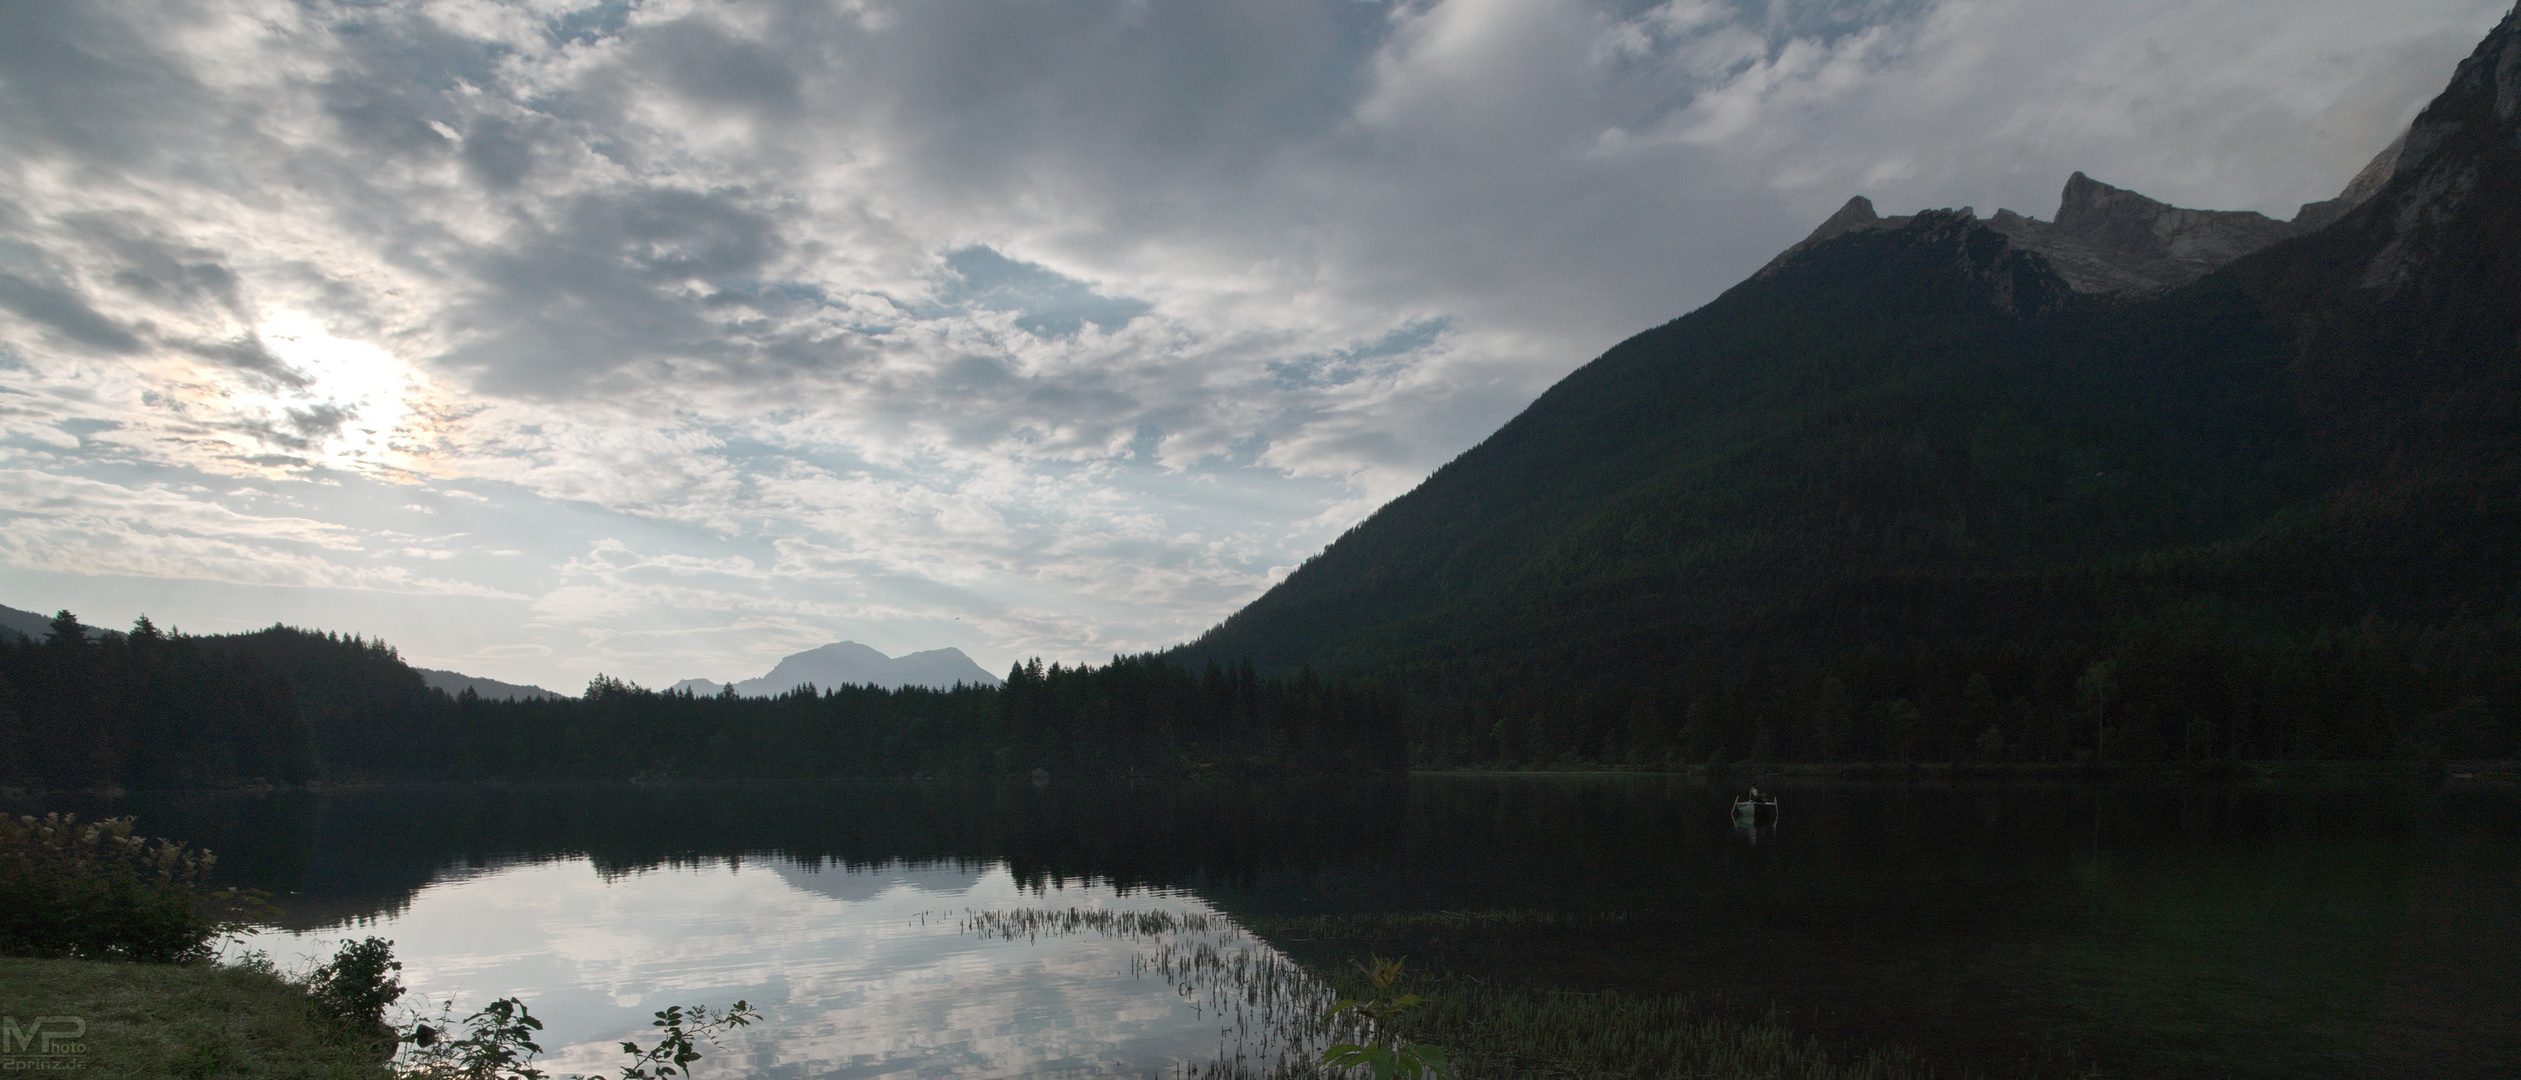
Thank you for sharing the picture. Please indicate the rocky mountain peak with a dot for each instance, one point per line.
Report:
(2464, 138)
(2108, 239)
(2360, 190)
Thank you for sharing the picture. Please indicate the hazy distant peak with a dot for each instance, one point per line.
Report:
(455, 683)
(848, 663)
(842, 650)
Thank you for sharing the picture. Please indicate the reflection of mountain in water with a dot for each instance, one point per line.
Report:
(857, 883)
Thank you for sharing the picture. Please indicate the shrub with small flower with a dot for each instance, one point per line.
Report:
(94, 891)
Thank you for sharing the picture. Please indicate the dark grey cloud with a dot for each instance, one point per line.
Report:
(499, 153)
(705, 64)
(149, 266)
(246, 353)
(381, 118)
(76, 76)
(63, 311)
(316, 422)
(603, 288)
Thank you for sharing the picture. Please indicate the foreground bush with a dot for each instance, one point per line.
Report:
(94, 891)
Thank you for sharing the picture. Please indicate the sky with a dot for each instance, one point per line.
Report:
(662, 339)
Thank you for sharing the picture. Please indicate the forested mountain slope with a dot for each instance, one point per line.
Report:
(1914, 493)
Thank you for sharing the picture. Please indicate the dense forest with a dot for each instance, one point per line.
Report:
(145, 708)
(1909, 496)
(284, 705)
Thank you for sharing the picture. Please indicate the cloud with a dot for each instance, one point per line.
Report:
(1043, 327)
(73, 525)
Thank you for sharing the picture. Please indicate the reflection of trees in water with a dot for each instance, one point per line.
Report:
(353, 856)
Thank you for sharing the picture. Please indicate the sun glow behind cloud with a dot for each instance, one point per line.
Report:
(358, 406)
(665, 338)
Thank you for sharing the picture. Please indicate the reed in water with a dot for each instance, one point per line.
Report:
(1274, 1019)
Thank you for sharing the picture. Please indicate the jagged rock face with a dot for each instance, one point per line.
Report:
(2474, 125)
(2108, 239)
(2360, 190)
(2012, 278)
(1856, 216)
(2111, 240)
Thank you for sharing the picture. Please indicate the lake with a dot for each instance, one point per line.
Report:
(2125, 929)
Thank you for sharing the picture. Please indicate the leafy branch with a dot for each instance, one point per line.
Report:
(1385, 1055)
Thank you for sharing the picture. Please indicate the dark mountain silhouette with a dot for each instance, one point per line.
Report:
(34, 627)
(2137, 482)
(24, 624)
(454, 683)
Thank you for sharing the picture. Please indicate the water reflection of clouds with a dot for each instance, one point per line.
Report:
(851, 979)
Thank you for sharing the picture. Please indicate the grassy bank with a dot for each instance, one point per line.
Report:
(193, 1022)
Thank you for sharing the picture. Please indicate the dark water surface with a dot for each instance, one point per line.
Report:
(2001, 929)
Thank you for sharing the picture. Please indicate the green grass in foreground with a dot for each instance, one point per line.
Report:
(191, 1022)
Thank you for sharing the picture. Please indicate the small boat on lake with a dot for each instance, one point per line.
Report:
(1755, 809)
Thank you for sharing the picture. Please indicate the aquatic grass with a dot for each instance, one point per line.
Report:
(1275, 1015)
(1312, 927)
(1032, 923)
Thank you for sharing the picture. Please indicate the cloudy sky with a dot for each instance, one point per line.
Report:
(665, 338)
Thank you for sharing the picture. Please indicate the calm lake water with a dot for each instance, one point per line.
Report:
(2000, 929)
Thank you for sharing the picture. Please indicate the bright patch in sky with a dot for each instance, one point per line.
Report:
(352, 399)
(665, 338)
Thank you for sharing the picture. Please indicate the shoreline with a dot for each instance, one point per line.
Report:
(2452, 772)
(2481, 771)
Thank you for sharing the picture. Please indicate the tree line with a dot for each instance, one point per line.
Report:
(286, 705)
(144, 708)
(2187, 682)
(2197, 682)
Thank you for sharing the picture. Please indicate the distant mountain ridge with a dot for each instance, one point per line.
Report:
(35, 627)
(848, 663)
(454, 683)
(25, 624)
